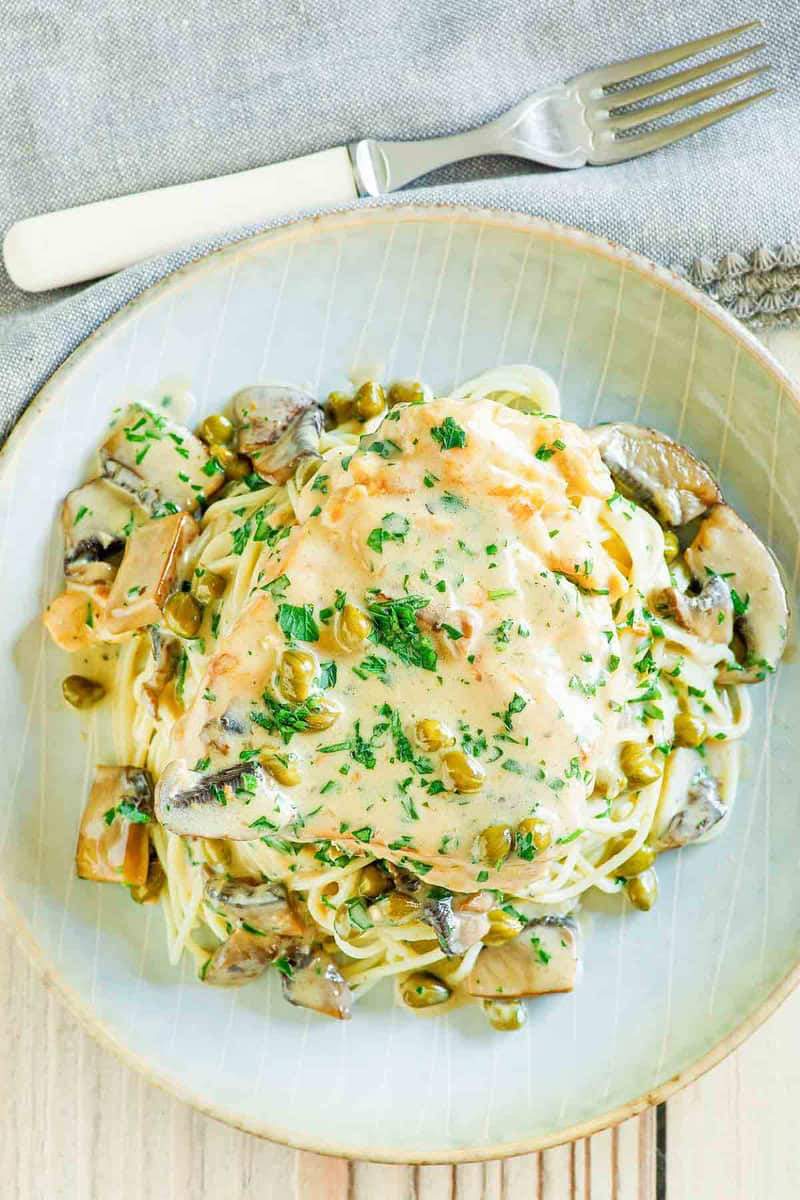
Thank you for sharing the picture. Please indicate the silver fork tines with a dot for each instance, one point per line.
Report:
(582, 121)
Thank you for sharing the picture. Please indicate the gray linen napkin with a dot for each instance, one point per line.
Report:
(99, 99)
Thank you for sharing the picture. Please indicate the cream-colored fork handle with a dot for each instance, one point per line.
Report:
(82, 243)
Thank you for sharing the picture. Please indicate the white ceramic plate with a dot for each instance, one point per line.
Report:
(440, 294)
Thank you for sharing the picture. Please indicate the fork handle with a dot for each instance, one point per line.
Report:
(60, 248)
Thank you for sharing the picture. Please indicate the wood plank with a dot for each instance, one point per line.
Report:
(76, 1111)
(732, 1135)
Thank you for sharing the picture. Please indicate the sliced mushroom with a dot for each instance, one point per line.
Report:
(404, 880)
(311, 979)
(222, 732)
(458, 921)
(74, 618)
(543, 958)
(262, 906)
(278, 426)
(149, 571)
(728, 547)
(656, 472)
(161, 464)
(691, 803)
(113, 841)
(96, 519)
(241, 957)
(708, 615)
(150, 891)
(162, 666)
(240, 802)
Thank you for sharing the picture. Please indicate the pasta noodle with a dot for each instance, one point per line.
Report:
(629, 739)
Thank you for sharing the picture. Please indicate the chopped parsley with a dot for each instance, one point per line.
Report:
(297, 622)
(129, 810)
(449, 435)
(393, 528)
(395, 627)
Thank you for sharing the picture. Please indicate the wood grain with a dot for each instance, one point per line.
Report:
(77, 1124)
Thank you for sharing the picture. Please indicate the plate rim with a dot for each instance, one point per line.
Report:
(307, 227)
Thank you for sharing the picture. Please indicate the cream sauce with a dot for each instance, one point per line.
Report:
(490, 516)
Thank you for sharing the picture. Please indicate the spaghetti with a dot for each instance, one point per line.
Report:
(446, 677)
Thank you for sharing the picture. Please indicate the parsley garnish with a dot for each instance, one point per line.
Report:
(297, 622)
(395, 627)
(449, 435)
(393, 528)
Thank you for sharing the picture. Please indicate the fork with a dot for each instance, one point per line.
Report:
(588, 120)
(577, 123)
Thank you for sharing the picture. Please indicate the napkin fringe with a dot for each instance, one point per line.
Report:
(762, 288)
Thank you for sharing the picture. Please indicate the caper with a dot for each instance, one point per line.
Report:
(465, 772)
(641, 859)
(495, 844)
(296, 674)
(502, 928)
(81, 692)
(433, 735)
(340, 406)
(395, 909)
(422, 990)
(372, 882)
(351, 627)
(235, 466)
(323, 713)
(539, 831)
(689, 730)
(406, 392)
(672, 547)
(208, 586)
(216, 429)
(369, 401)
(643, 890)
(283, 767)
(638, 765)
(183, 614)
(505, 1015)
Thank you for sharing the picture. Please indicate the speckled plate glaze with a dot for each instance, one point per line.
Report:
(439, 293)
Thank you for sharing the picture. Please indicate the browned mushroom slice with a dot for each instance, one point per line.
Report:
(240, 802)
(278, 426)
(161, 464)
(149, 571)
(262, 906)
(656, 472)
(691, 804)
(242, 957)
(114, 841)
(162, 666)
(311, 979)
(458, 921)
(97, 519)
(708, 615)
(543, 958)
(150, 891)
(726, 546)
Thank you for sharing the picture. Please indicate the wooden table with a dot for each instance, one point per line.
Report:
(75, 1123)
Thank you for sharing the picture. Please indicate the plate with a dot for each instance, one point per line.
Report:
(440, 294)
